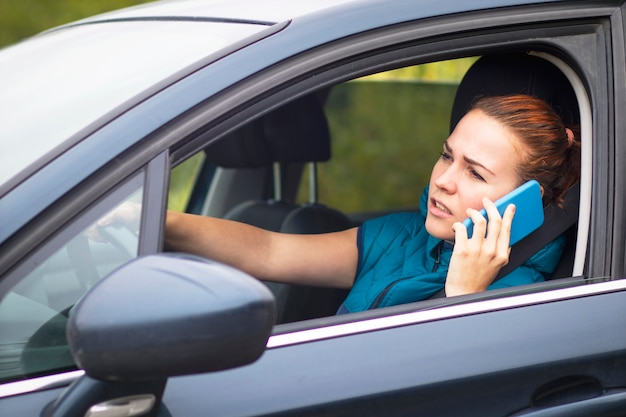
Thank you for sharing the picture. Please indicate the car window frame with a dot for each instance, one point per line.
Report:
(516, 38)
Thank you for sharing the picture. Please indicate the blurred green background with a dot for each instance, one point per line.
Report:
(20, 19)
(386, 136)
(387, 128)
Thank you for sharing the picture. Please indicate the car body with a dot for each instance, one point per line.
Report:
(116, 108)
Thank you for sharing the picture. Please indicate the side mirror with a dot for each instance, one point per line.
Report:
(167, 315)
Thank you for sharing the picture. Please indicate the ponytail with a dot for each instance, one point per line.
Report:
(550, 151)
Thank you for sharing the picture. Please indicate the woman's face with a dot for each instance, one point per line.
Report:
(479, 159)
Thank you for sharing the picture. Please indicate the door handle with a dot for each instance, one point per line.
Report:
(610, 404)
(575, 396)
(136, 405)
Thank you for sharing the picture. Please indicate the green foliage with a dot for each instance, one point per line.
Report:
(449, 72)
(20, 19)
(386, 138)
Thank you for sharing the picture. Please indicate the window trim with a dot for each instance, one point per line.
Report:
(442, 313)
(41, 383)
(154, 205)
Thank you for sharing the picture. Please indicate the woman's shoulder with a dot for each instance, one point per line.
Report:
(548, 257)
(537, 268)
(398, 219)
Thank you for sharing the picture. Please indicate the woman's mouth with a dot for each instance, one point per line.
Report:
(439, 209)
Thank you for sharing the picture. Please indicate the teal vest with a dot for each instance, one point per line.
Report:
(399, 262)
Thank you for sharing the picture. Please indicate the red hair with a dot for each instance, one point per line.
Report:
(550, 150)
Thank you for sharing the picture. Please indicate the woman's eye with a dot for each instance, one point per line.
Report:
(476, 175)
(445, 156)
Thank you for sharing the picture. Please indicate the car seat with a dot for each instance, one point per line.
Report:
(527, 74)
(296, 133)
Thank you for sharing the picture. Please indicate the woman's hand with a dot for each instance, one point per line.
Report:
(476, 262)
(127, 214)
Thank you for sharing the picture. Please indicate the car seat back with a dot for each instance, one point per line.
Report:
(295, 133)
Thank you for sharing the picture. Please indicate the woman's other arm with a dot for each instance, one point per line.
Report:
(328, 259)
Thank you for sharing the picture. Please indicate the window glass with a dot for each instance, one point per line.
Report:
(34, 311)
(386, 131)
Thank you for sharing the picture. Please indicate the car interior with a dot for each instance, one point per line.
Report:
(268, 156)
(268, 142)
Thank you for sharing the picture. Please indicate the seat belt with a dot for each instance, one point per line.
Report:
(556, 222)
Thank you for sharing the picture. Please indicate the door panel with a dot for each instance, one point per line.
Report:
(28, 405)
(486, 364)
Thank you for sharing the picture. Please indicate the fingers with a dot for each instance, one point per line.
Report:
(476, 261)
(490, 238)
(127, 214)
(495, 221)
(460, 232)
(498, 227)
(496, 231)
(480, 225)
(504, 237)
(107, 219)
(496, 244)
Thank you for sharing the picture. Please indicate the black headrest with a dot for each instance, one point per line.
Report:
(516, 73)
(295, 132)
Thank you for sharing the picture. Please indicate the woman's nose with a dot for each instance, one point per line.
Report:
(447, 180)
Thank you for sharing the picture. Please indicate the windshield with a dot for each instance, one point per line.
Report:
(56, 84)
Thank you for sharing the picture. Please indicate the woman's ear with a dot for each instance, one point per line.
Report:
(541, 188)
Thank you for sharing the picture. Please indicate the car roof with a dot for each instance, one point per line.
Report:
(274, 11)
(270, 11)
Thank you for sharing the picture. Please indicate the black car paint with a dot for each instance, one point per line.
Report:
(466, 363)
(334, 377)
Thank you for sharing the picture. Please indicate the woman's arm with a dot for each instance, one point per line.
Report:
(328, 259)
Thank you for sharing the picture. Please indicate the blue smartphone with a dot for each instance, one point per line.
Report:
(528, 211)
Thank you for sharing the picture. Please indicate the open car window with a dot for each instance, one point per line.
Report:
(385, 131)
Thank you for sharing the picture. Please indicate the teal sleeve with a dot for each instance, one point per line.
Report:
(519, 276)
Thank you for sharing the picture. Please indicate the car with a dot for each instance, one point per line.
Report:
(300, 117)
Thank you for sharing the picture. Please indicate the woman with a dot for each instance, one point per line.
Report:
(499, 144)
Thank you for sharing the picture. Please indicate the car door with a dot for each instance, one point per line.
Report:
(547, 349)
(551, 349)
